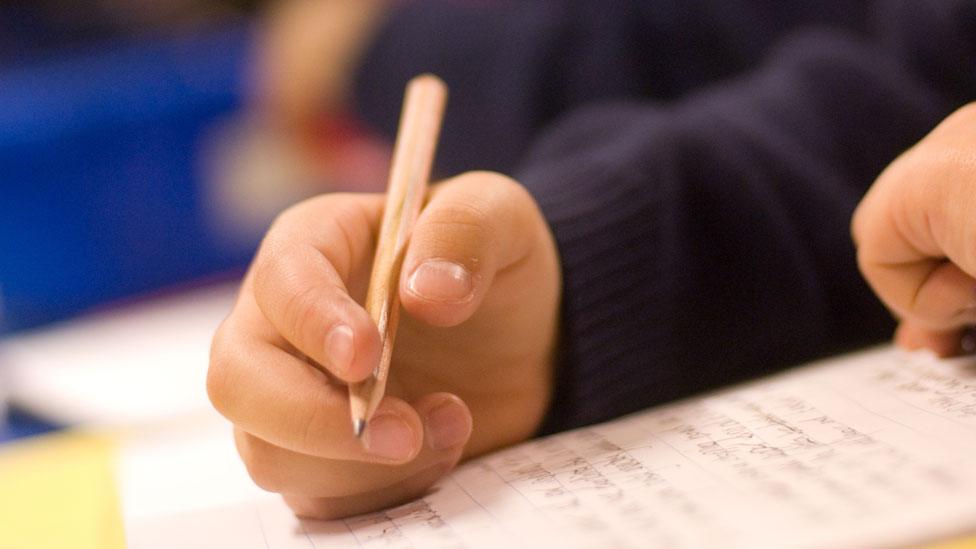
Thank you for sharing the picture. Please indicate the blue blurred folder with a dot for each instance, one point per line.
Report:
(100, 194)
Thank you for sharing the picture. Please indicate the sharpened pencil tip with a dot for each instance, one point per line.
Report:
(358, 426)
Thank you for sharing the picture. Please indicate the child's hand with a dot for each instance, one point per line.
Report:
(480, 288)
(916, 236)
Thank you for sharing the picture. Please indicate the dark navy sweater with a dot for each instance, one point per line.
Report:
(697, 160)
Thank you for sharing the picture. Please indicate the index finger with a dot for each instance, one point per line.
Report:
(314, 254)
(285, 401)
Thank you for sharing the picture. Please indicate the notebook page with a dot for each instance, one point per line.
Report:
(870, 450)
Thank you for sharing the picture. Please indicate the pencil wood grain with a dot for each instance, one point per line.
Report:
(413, 156)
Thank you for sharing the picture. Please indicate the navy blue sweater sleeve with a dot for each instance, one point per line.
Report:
(515, 66)
(707, 241)
(704, 236)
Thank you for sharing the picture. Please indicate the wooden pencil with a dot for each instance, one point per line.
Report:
(413, 156)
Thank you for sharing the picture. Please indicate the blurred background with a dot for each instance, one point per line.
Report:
(140, 163)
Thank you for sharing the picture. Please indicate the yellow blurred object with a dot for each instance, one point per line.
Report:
(962, 543)
(59, 491)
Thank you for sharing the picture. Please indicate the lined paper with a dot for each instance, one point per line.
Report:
(873, 449)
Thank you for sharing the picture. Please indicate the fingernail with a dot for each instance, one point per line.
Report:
(441, 280)
(389, 437)
(447, 425)
(339, 348)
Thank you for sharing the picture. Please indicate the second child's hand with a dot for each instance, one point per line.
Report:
(916, 236)
(472, 367)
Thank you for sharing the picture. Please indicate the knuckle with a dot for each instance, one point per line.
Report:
(464, 212)
(266, 267)
(503, 198)
(294, 219)
(507, 191)
(459, 218)
(284, 220)
(300, 210)
(455, 224)
(302, 313)
(513, 196)
(510, 187)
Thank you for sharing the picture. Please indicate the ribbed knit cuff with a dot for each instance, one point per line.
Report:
(611, 236)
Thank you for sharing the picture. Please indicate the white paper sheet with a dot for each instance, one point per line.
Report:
(875, 449)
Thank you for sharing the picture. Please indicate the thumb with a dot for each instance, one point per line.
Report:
(475, 225)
